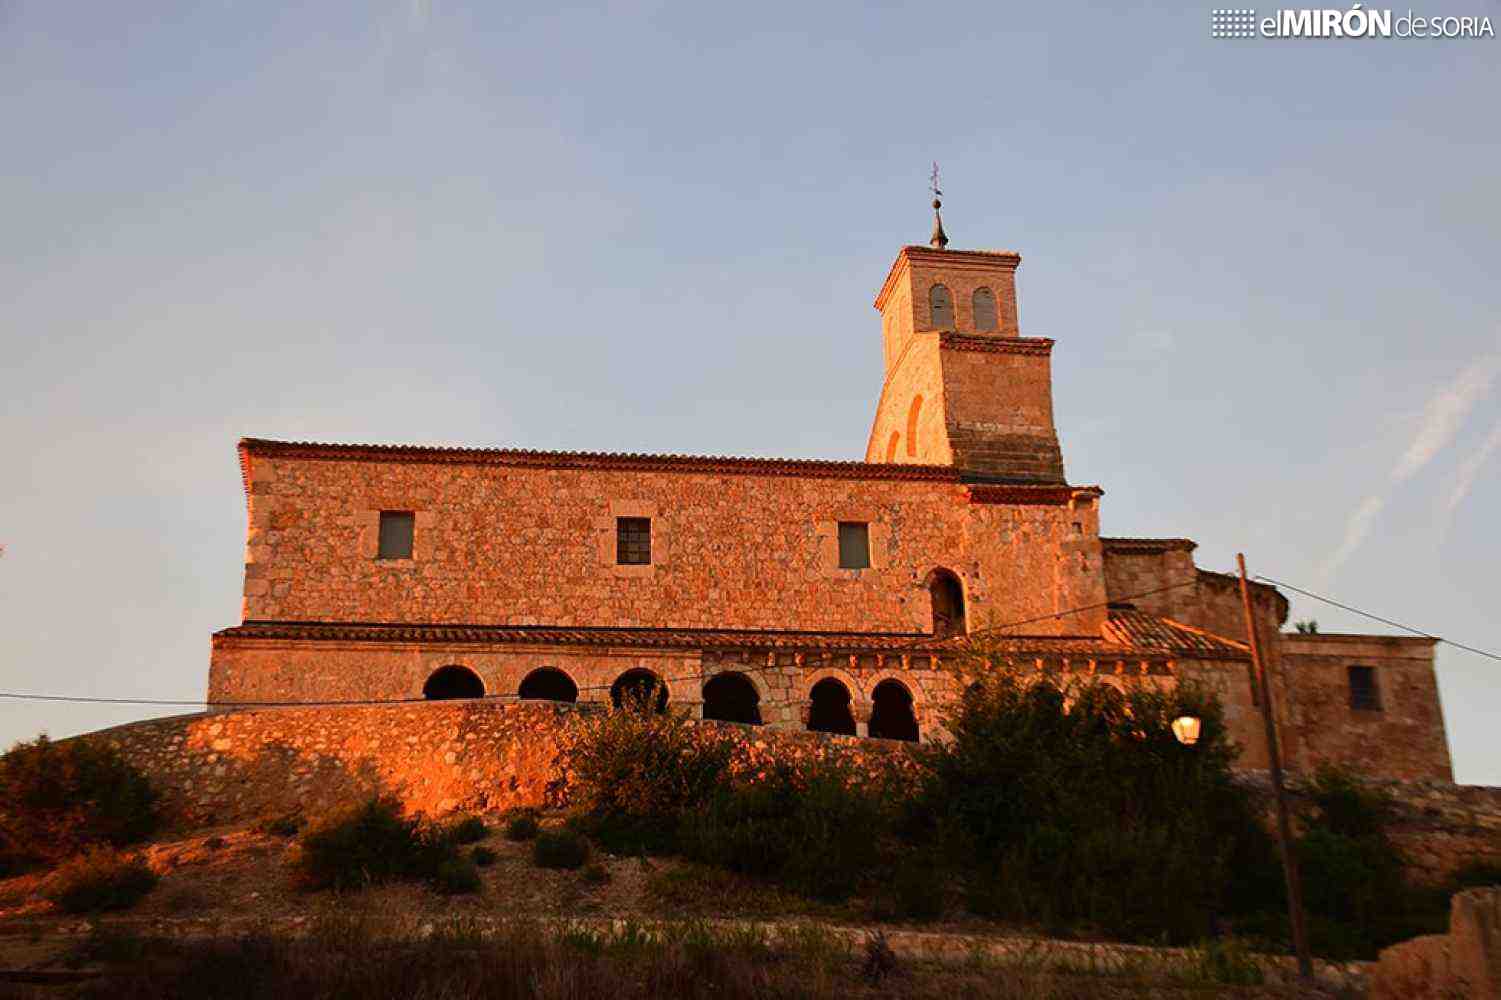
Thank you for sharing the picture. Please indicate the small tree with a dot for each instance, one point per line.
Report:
(1075, 805)
(58, 798)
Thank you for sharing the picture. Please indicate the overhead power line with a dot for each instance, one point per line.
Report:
(1378, 618)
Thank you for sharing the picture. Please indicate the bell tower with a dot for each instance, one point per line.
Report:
(963, 387)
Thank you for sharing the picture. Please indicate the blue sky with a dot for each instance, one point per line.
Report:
(1270, 268)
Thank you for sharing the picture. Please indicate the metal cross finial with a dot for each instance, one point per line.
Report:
(939, 239)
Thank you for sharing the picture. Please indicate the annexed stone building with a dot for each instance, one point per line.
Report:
(820, 594)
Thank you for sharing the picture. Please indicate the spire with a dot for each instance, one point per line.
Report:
(939, 239)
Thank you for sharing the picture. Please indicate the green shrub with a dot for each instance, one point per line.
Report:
(483, 856)
(637, 773)
(371, 844)
(811, 825)
(56, 798)
(1077, 808)
(559, 849)
(1355, 890)
(522, 827)
(456, 876)
(468, 830)
(596, 874)
(99, 879)
(918, 890)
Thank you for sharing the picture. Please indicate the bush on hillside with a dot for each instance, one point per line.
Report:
(1076, 807)
(100, 879)
(560, 849)
(812, 825)
(522, 825)
(1356, 892)
(468, 830)
(637, 773)
(57, 798)
(371, 844)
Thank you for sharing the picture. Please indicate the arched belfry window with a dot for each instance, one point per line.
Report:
(983, 304)
(941, 307)
(896, 439)
(947, 595)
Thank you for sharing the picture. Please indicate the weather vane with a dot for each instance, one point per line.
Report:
(939, 239)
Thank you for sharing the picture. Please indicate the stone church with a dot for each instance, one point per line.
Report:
(828, 595)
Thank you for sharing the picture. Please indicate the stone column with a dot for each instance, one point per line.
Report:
(862, 710)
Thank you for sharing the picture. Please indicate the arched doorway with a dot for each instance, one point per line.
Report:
(891, 716)
(731, 697)
(453, 681)
(947, 595)
(638, 688)
(548, 684)
(830, 709)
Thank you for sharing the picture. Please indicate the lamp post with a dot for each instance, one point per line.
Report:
(1186, 729)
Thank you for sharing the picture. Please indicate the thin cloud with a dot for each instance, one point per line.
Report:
(1356, 529)
(1442, 417)
(1464, 479)
(1445, 413)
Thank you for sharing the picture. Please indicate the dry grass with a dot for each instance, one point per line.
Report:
(376, 958)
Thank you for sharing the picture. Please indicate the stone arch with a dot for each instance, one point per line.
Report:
(946, 594)
(451, 682)
(639, 683)
(896, 437)
(893, 715)
(548, 684)
(982, 303)
(732, 697)
(941, 307)
(913, 412)
(831, 707)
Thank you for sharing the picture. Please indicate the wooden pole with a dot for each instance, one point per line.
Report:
(1274, 758)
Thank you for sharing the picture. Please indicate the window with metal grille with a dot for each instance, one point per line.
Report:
(854, 545)
(396, 534)
(1364, 695)
(633, 541)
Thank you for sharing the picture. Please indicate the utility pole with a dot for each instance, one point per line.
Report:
(1274, 758)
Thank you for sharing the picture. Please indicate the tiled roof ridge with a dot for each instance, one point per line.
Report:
(1135, 627)
(1122, 542)
(679, 638)
(837, 468)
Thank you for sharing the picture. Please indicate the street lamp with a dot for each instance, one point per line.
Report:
(1186, 728)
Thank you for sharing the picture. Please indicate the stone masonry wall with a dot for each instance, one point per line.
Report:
(500, 545)
(1402, 737)
(436, 757)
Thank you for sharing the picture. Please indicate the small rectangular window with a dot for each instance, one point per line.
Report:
(633, 541)
(854, 545)
(396, 534)
(1364, 695)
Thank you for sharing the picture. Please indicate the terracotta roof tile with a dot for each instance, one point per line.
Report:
(1137, 628)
